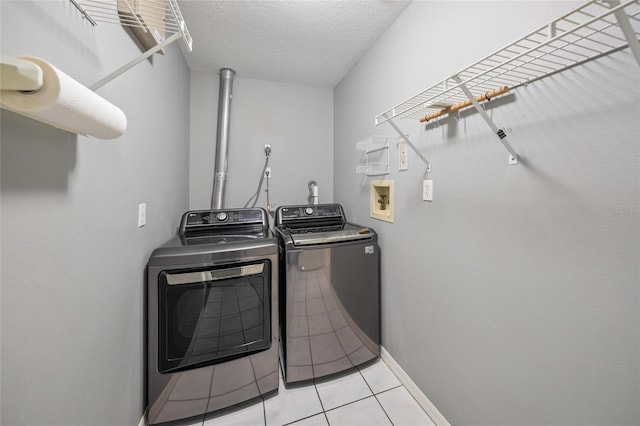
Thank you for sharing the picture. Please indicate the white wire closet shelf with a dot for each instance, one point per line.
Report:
(157, 13)
(143, 15)
(592, 30)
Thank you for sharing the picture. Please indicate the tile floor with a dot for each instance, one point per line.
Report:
(369, 396)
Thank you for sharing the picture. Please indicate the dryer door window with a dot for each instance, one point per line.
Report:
(213, 315)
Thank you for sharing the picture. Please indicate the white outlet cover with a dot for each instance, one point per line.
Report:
(427, 190)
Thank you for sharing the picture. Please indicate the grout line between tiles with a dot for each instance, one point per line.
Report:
(383, 410)
(387, 390)
(365, 381)
(374, 395)
(324, 412)
(349, 403)
(303, 418)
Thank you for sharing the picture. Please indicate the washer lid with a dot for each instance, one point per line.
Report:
(222, 238)
(331, 236)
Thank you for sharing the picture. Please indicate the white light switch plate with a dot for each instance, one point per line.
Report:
(142, 214)
(427, 190)
(403, 155)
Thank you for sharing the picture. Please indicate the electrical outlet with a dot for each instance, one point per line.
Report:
(142, 214)
(427, 190)
(267, 173)
(403, 155)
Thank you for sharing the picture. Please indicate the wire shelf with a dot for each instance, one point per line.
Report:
(157, 13)
(373, 144)
(587, 32)
(378, 147)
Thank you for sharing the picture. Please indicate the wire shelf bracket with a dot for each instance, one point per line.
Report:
(513, 157)
(126, 67)
(413, 147)
(627, 29)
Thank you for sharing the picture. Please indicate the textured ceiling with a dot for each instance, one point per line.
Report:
(310, 42)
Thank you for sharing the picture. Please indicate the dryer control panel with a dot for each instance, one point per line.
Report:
(198, 220)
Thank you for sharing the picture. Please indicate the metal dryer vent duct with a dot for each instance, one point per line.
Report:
(222, 138)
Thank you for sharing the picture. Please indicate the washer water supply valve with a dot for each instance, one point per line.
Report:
(313, 192)
(271, 207)
(267, 152)
(383, 202)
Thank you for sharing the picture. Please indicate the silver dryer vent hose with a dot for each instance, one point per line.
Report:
(222, 137)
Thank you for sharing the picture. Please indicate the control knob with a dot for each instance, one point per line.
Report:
(308, 210)
(222, 216)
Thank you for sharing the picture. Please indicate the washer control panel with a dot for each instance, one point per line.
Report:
(292, 214)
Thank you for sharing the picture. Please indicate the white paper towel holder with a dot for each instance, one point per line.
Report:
(34, 88)
(21, 75)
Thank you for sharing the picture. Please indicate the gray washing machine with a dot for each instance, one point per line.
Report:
(212, 314)
(329, 292)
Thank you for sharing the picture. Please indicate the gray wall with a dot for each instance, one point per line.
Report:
(297, 121)
(73, 257)
(512, 298)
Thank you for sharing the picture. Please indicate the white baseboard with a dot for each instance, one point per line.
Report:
(414, 390)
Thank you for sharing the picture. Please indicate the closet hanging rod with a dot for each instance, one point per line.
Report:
(453, 108)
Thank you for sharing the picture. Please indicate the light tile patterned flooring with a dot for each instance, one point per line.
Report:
(369, 396)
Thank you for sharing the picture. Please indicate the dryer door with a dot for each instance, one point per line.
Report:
(212, 315)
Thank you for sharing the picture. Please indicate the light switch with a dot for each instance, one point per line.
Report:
(142, 214)
(403, 155)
